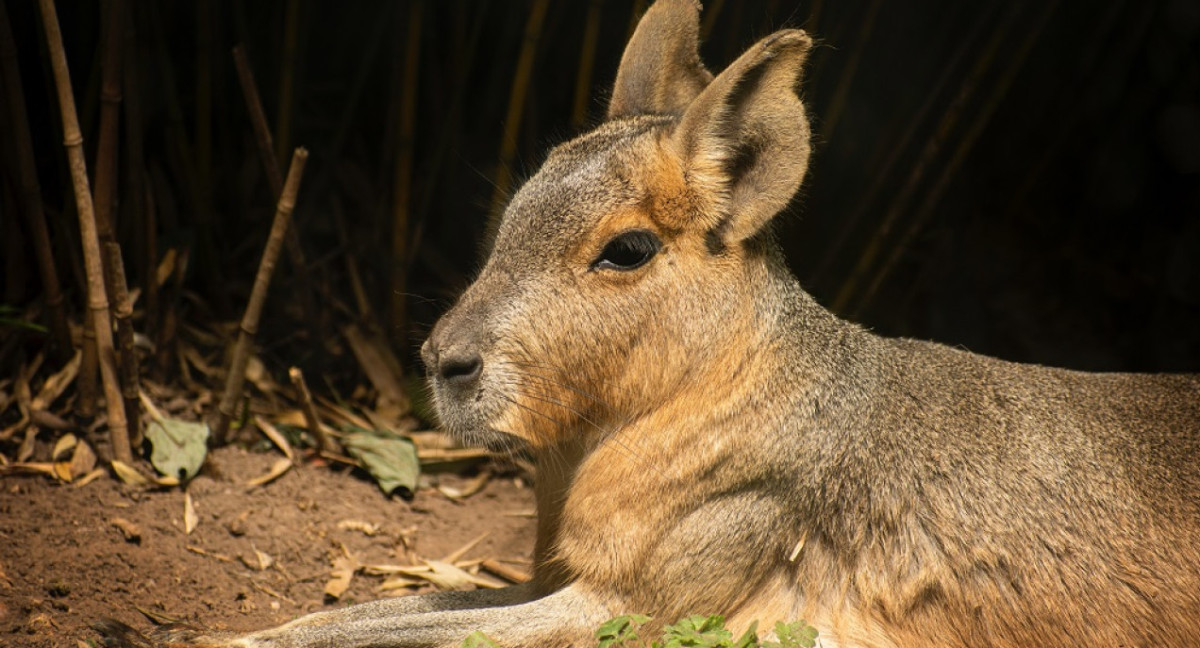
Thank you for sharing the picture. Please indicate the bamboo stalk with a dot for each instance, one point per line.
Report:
(204, 96)
(31, 192)
(283, 119)
(516, 105)
(928, 154)
(258, 297)
(965, 145)
(266, 153)
(895, 150)
(324, 442)
(137, 188)
(97, 298)
(404, 172)
(838, 104)
(106, 202)
(587, 59)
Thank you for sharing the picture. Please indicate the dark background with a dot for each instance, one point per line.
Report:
(1018, 177)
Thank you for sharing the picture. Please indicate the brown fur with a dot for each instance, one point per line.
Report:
(710, 440)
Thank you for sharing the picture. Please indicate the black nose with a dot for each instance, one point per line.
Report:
(460, 368)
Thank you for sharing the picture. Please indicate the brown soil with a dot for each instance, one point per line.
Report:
(64, 563)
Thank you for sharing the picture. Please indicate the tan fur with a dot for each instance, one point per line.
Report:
(711, 441)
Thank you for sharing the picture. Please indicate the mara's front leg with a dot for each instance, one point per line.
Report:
(565, 618)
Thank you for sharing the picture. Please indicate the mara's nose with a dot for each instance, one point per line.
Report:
(457, 367)
(460, 367)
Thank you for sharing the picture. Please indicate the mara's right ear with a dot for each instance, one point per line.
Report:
(744, 142)
(660, 71)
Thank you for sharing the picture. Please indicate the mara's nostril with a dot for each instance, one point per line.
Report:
(460, 368)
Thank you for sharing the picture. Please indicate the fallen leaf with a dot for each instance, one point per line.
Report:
(343, 571)
(391, 460)
(129, 474)
(179, 447)
(83, 460)
(366, 528)
(399, 582)
(131, 531)
(276, 437)
(93, 475)
(190, 519)
(55, 385)
(62, 470)
(448, 577)
(65, 444)
(277, 469)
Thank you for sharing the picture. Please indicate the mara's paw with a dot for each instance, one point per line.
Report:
(115, 634)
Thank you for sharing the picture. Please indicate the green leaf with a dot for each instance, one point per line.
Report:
(793, 635)
(391, 460)
(698, 632)
(178, 447)
(478, 640)
(619, 630)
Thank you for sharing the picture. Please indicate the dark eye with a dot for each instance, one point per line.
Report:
(628, 251)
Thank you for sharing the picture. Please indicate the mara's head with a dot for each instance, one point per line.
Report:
(624, 272)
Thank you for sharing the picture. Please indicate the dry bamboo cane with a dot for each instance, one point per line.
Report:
(516, 105)
(135, 173)
(106, 202)
(287, 80)
(31, 192)
(324, 442)
(97, 298)
(965, 145)
(236, 376)
(266, 153)
(404, 172)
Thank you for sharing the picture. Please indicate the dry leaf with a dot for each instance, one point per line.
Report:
(276, 437)
(448, 577)
(398, 583)
(39, 467)
(277, 469)
(190, 519)
(27, 444)
(62, 470)
(93, 475)
(342, 573)
(264, 559)
(470, 488)
(131, 531)
(129, 474)
(83, 460)
(366, 528)
(65, 444)
(55, 385)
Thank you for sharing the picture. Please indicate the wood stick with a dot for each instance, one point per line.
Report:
(31, 192)
(97, 298)
(403, 182)
(325, 444)
(516, 105)
(266, 153)
(106, 202)
(258, 297)
(137, 188)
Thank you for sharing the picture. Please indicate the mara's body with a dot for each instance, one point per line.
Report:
(711, 441)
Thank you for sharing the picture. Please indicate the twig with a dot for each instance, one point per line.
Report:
(31, 192)
(965, 145)
(266, 153)
(324, 442)
(258, 296)
(510, 574)
(97, 298)
(404, 174)
(106, 202)
(516, 105)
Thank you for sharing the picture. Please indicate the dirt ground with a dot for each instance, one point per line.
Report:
(65, 561)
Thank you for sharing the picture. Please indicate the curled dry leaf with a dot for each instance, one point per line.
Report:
(277, 469)
(343, 571)
(93, 475)
(366, 528)
(276, 437)
(83, 460)
(129, 474)
(65, 444)
(56, 384)
(131, 531)
(190, 519)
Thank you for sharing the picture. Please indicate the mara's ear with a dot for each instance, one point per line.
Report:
(744, 142)
(660, 71)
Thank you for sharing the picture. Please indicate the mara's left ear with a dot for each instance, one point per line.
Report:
(744, 141)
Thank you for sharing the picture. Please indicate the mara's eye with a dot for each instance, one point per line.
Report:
(628, 251)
